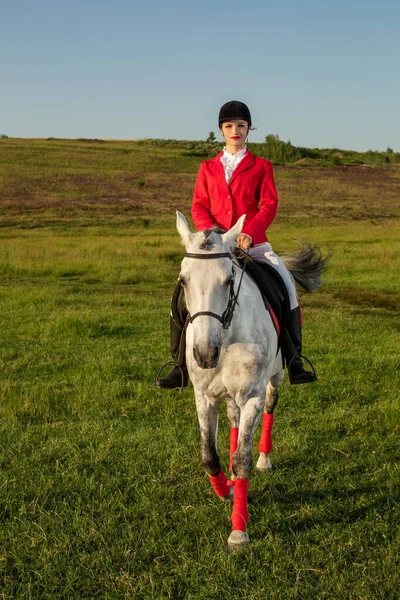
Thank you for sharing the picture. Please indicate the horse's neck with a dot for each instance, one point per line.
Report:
(246, 284)
(248, 292)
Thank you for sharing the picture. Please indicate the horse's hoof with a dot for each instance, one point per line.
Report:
(238, 540)
(229, 497)
(263, 463)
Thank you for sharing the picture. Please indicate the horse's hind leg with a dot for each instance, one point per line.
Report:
(265, 445)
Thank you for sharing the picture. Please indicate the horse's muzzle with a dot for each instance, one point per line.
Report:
(208, 360)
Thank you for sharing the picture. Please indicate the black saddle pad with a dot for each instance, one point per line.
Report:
(270, 284)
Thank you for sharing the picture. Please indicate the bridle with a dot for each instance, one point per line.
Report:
(227, 315)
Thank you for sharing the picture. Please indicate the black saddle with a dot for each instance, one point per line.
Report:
(271, 285)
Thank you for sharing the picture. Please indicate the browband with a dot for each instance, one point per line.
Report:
(215, 255)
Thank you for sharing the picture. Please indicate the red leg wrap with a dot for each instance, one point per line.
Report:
(233, 438)
(240, 514)
(265, 444)
(220, 484)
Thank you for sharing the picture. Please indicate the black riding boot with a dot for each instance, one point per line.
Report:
(178, 378)
(292, 347)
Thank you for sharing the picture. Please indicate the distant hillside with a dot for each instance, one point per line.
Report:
(284, 153)
(280, 152)
(103, 183)
(273, 148)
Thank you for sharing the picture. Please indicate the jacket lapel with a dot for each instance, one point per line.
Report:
(219, 172)
(247, 162)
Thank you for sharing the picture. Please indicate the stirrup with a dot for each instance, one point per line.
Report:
(172, 363)
(313, 373)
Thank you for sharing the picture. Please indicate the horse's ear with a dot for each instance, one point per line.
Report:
(183, 228)
(231, 235)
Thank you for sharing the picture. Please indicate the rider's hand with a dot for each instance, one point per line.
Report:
(244, 241)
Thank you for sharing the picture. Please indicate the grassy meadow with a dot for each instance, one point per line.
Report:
(102, 494)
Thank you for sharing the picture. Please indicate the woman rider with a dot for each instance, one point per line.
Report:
(228, 186)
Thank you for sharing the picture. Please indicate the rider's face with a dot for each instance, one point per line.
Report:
(235, 133)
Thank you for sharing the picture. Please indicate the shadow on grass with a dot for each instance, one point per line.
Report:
(310, 509)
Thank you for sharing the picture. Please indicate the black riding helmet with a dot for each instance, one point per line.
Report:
(234, 110)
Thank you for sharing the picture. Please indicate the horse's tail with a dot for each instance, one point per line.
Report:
(307, 267)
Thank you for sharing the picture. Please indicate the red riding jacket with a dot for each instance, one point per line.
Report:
(251, 191)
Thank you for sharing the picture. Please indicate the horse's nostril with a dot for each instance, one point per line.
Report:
(208, 359)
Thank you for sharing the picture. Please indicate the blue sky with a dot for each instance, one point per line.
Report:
(320, 73)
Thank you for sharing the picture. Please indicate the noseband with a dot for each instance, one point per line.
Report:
(227, 315)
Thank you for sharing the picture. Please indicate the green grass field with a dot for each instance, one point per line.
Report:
(102, 495)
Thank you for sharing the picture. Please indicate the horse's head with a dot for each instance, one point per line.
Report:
(207, 276)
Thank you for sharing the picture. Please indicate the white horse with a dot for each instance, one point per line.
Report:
(239, 361)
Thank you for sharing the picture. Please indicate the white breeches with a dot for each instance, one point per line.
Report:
(265, 253)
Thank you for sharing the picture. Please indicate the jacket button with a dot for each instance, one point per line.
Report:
(228, 197)
(229, 212)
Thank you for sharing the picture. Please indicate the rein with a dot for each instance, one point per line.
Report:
(227, 316)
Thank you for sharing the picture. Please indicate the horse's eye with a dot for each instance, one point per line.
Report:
(229, 281)
(182, 280)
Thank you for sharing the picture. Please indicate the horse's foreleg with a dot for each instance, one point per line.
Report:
(233, 413)
(241, 465)
(265, 445)
(208, 421)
